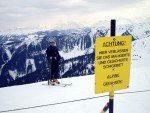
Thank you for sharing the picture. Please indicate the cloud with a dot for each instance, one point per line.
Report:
(114, 2)
(16, 13)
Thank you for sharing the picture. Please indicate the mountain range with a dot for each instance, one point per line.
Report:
(23, 58)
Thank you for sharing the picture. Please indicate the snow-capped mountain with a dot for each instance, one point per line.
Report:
(22, 57)
(27, 55)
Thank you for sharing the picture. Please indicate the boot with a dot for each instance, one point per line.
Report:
(55, 80)
(50, 82)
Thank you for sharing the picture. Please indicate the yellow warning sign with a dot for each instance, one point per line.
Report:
(112, 63)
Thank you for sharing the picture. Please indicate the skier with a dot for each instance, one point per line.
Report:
(53, 57)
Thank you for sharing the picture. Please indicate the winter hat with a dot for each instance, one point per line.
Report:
(52, 40)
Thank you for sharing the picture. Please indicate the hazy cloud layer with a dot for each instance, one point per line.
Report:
(18, 13)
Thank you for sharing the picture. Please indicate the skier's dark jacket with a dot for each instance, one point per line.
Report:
(52, 51)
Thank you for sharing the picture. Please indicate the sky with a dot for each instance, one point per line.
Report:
(52, 13)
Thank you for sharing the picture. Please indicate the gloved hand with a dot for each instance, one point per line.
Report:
(55, 58)
(50, 58)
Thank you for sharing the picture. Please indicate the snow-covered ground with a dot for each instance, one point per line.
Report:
(37, 94)
(83, 87)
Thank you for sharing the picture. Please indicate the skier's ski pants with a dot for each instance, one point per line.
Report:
(54, 68)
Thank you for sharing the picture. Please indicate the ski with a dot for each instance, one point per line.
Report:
(61, 85)
(67, 84)
(55, 85)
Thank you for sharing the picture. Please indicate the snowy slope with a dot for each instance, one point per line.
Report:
(141, 52)
(83, 87)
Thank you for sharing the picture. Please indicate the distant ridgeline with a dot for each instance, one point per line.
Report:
(74, 67)
(23, 59)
